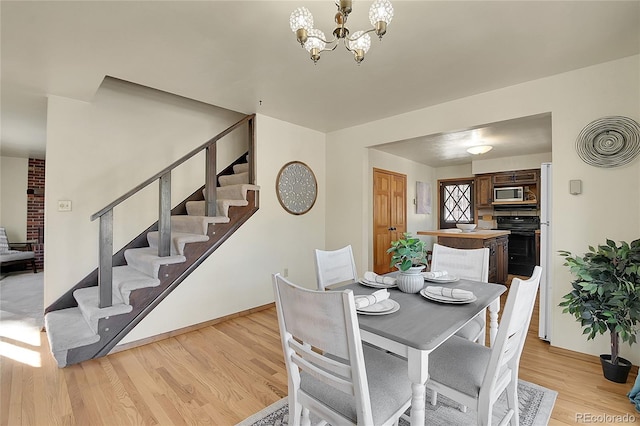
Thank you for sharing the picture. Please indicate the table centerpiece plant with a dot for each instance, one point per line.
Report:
(606, 298)
(409, 255)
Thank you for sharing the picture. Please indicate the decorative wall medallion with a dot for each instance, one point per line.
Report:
(296, 187)
(609, 141)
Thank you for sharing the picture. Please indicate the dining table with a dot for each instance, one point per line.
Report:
(420, 325)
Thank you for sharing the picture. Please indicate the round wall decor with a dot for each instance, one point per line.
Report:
(609, 141)
(296, 187)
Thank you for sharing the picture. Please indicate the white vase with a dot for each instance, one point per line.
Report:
(411, 280)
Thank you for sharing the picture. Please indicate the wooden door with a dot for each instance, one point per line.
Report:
(389, 215)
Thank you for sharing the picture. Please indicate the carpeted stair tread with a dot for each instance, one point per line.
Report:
(88, 299)
(178, 240)
(241, 168)
(234, 179)
(146, 260)
(127, 278)
(222, 206)
(67, 329)
(235, 192)
(195, 223)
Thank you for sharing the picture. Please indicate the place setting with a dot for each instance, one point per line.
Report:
(371, 279)
(377, 303)
(448, 295)
(440, 277)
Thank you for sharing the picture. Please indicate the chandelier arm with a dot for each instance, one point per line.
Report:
(361, 35)
(329, 50)
(335, 39)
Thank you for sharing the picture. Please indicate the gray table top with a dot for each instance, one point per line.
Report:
(421, 323)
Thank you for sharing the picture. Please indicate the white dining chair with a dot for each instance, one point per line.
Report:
(475, 375)
(470, 264)
(330, 373)
(335, 266)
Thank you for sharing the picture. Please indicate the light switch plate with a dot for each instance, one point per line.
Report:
(64, 205)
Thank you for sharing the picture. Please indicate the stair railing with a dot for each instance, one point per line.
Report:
(105, 255)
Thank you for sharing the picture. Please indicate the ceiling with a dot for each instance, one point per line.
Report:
(241, 55)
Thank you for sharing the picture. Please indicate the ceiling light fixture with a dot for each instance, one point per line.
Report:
(480, 149)
(314, 40)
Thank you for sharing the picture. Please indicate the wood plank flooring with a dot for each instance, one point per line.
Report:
(221, 374)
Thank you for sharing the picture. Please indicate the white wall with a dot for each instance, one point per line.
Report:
(574, 99)
(520, 162)
(97, 151)
(13, 197)
(452, 172)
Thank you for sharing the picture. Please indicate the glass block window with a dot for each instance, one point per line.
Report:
(456, 203)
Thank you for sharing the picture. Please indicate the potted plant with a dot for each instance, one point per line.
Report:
(606, 297)
(408, 254)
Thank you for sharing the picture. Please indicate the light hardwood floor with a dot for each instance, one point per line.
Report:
(221, 374)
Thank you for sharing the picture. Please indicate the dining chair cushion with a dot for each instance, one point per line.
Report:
(389, 386)
(472, 329)
(455, 370)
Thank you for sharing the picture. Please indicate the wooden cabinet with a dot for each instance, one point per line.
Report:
(498, 252)
(517, 177)
(484, 191)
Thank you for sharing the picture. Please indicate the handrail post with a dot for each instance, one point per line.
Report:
(252, 151)
(164, 216)
(105, 262)
(210, 194)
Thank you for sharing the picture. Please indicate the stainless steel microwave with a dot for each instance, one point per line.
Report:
(509, 193)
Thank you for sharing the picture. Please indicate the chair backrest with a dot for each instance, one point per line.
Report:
(4, 241)
(512, 333)
(326, 321)
(335, 266)
(470, 264)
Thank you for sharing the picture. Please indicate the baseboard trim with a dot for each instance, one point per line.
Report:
(163, 336)
(584, 357)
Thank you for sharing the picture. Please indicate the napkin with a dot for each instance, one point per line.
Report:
(371, 299)
(375, 278)
(434, 274)
(453, 293)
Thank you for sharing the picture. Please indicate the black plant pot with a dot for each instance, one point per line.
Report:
(615, 373)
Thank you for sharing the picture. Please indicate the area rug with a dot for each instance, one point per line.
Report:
(536, 403)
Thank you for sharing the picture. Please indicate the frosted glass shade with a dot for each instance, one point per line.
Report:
(480, 149)
(315, 40)
(359, 41)
(381, 10)
(301, 18)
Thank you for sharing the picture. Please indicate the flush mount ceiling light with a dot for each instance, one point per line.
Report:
(314, 40)
(480, 149)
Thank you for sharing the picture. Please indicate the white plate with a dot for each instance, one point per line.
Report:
(376, 285)
(445, 299)
(443, 279)
(385, 307)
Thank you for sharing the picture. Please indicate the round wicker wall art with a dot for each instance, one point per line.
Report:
(296, 187)
(609, 141)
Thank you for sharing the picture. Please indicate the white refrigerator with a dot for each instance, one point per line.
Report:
(546, 283)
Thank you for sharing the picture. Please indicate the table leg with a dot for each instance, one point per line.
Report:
(494, 308)
(418, 374)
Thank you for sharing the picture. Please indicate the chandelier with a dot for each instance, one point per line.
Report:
(314, 40)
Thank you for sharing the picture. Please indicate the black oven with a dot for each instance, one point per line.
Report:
(522, 242)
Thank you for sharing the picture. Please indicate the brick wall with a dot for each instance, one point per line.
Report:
(35, 208)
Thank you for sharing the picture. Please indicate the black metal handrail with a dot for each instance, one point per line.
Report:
(105, 267)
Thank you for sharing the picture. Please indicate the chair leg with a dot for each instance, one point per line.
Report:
(434, 397)
(512, 401)
(33, 264)
(295, 412)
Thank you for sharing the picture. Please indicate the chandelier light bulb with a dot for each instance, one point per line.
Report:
(381, 10)
(315, 43)
(360, 41)
(301, 18)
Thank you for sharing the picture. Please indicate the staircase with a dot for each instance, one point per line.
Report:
(78, 328)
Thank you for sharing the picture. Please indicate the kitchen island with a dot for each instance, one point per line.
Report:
(497, 241)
